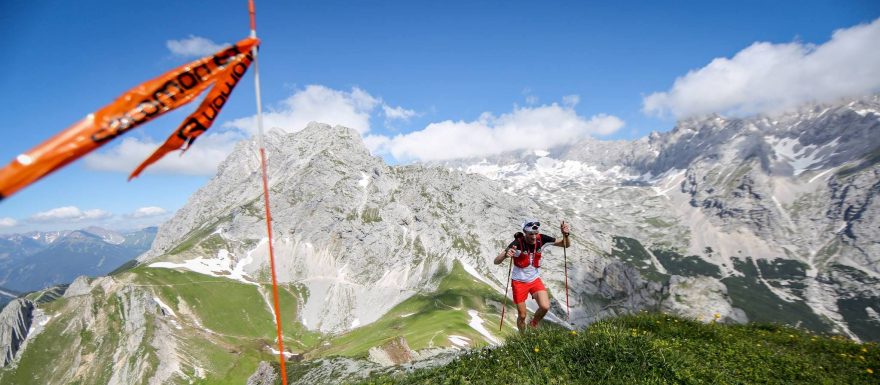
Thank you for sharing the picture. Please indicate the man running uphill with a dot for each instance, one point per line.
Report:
(526, 253)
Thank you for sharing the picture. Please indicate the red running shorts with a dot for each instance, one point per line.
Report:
(521, 290)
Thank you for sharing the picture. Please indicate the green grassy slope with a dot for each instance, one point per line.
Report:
(659, 349)
(224, 328)
(225, 323)
(428, 319)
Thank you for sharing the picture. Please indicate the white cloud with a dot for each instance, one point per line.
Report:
(319, 104)
(145, 212)
(201, 158)
(69, 213)
(531, 100)
(398, 112)
(532, 127)
(314, 103)
(7, 222)
(193, 46)
(767, 77)
(524, 128)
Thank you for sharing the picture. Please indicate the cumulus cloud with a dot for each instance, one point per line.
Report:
(70, 214)
(314, 103)
(146, 212)
(319, 104)
(524, 128)
(7, 222)
(767, 77)
(531, 127)
(202, 158)
(193, 46)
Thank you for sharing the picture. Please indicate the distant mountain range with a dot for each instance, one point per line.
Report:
(35, 260)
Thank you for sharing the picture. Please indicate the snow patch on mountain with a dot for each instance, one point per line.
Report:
(459, 341)
(477, 324)
(867, 111)
(164, 307)
(221, 266)
(800, 158)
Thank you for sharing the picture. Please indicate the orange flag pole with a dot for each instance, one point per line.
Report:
(281, 359)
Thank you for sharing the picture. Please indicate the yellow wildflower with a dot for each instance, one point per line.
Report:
(864, 350)
(574, 333)
(870, 371)
(537, 350)
(717, 316)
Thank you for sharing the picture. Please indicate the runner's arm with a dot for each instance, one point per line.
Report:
(564, 242)
(510, 251)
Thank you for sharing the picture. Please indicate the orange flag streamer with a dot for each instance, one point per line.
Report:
(137, 106)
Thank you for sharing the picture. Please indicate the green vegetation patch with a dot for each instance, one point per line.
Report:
(659, 349)
(853, 305)
(222, 305)
(782, 269)
(761, 305)
(64, 338)
(238, 316)
(657, 222)
(124, 267)
(47, 295)
(229, 308)
(785, 274)
(198, 235)
(632, 252)
(426, 319)
(870, 160)
(469, 245)
(687, 266)
(371, 215)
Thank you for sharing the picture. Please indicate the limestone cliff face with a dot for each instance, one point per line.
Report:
(15, 321)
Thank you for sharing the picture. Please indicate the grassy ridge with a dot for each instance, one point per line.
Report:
(660, 349)
(235, 321)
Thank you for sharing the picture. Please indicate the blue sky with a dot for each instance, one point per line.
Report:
(406, 74)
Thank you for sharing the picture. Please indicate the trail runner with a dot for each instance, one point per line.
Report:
(526, 253)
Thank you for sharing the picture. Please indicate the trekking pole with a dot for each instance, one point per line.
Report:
(504, 306)
(565, 263)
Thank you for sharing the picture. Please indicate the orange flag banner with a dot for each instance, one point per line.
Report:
(137, 106)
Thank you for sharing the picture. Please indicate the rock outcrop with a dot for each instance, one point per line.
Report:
(15, 322)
